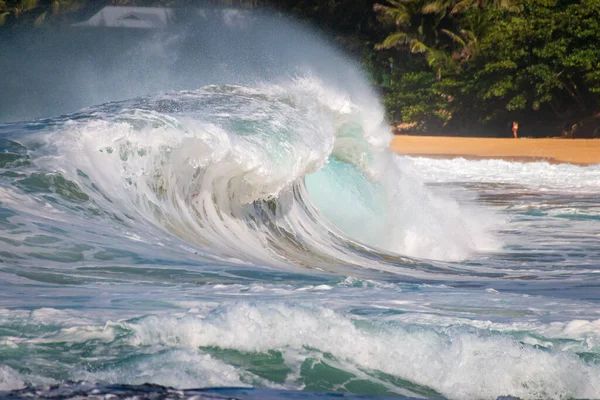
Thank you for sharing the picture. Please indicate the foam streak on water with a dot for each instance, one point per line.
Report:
(263, 236)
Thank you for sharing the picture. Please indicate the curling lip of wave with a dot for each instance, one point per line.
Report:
(226, 168)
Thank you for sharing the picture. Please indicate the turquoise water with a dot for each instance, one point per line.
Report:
(262, 236)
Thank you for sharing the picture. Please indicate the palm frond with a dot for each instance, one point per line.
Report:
(511, 6)
(40, 19)
(393, 40)
(469, 35)
(434, 7)
(455, 38)
(462, 6)
(418, 47)
(28, 5)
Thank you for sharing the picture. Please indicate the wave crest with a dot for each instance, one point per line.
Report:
(226, 167)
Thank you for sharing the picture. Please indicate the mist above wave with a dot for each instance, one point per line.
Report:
(225, 168)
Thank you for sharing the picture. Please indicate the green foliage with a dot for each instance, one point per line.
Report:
(441, 64)
(547, 56)
(35, 12)
(416, 97)
(494, 60)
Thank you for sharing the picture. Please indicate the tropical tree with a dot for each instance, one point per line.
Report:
(462, 6)
(35, 12)
(418, 32)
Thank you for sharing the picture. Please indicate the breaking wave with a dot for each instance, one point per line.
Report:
(285, 174)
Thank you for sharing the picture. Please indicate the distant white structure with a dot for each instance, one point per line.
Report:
(130, 17)
(154, 17)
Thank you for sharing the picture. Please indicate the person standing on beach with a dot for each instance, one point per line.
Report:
(515, 129)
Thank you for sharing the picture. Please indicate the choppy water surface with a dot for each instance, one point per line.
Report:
(262, 236)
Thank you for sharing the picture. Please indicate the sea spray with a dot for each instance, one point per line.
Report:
(223, 167)
(230, 215)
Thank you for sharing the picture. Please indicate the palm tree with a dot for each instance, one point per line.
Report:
(15, 8)
(462, 6)
(441, 30)
(467, 42)
(417, 31)
(35, 11)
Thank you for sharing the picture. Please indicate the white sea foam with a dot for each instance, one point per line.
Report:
(425, 341)
(456, 363)
(241, 184)
(227, 173)
(10, 379)
(538, 175)
(183, 369)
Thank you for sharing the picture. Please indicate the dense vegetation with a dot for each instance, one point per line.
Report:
(444, 66)
(490, 62)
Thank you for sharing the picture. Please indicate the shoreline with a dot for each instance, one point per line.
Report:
(583, 152)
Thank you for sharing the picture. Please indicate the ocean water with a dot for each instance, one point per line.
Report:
(262, 236)
(240, 230)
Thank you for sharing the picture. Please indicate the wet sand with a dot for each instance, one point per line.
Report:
(573, 151)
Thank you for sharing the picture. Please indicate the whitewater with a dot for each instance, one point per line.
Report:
(259, 235)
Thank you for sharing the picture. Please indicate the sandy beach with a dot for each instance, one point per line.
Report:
(577, 151)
